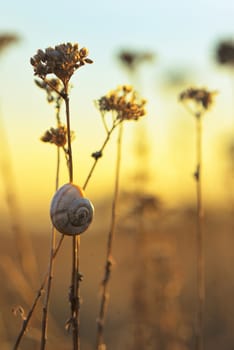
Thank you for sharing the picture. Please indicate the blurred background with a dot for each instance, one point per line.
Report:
(180, 44)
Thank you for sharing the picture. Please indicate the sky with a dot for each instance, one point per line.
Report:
(182, 34)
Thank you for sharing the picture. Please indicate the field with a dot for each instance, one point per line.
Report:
(161, 307)
(141, 258)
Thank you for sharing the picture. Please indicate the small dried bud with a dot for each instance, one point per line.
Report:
(83, 52)
(97, 155)
(88, 60)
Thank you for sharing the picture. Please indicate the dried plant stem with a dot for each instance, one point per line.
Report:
(51, 266)
(48, 292)
(109, 259)
(75, 293)
(75, 277)
(139, 300)
(200, 239)
(109, 132)
(37, 298)
(70, 162)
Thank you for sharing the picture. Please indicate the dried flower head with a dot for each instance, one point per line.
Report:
(201, 97)
(62, 61)
(132, 58)
(124, 102)
(57, 136)
(225, 52)
(7, 39)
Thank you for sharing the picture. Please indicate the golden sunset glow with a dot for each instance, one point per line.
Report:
(133, 103)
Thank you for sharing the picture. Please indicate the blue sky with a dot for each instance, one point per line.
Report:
(181, 33)
(172, 27)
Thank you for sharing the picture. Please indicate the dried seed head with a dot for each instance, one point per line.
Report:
(125, 102)
(201, 97)
(132, 58)
(225, 52)
(62, 61)
(7, 39)
(57, 136)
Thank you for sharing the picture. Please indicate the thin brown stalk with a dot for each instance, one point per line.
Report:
(75, 293)
(109, 132)
(75, 277)
(200, 239)
(36, 300)
(70, 162)
(44, 322)
(109, 259)
(201, 99)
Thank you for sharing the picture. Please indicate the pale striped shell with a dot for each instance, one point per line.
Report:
(71, 213)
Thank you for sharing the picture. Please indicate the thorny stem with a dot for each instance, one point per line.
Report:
(39, 293)
(109, 132)
(200, 239)
(109, 259)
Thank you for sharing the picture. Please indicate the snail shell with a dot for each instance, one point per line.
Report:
(71, 213)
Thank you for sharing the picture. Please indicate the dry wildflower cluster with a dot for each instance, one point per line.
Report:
(225, 52)
(7, 39)
(202, 97)
(63, 61)
(124, 102)
(57, 136)
(132, 59)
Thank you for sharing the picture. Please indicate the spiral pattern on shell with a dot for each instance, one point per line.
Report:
(71, 213)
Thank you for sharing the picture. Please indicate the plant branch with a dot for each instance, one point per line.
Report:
(75, 276)
(70, 162)
(74, 322)
(109, 259)
(39, 293)
(44, 323)
(61, 94)
(200, 238)
(109, 132)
